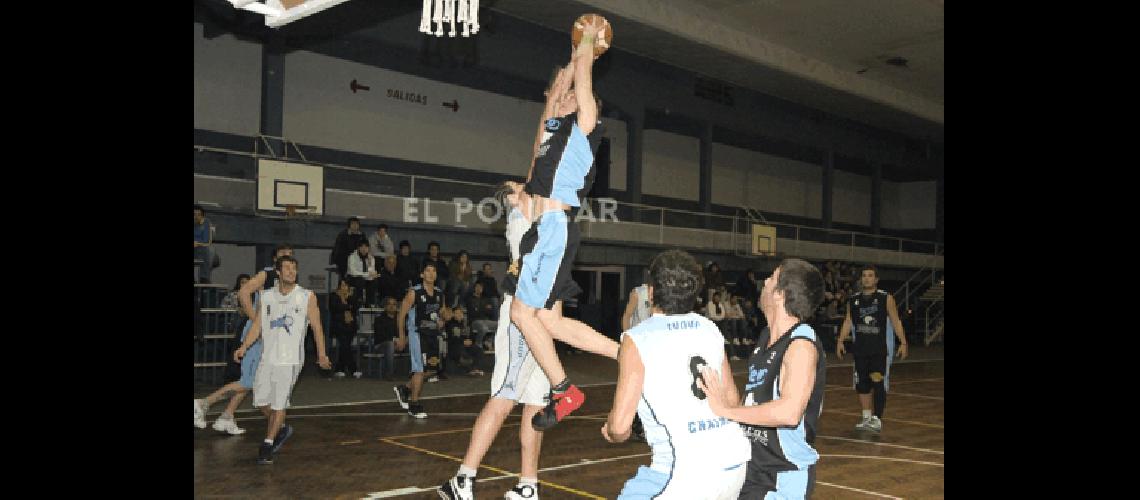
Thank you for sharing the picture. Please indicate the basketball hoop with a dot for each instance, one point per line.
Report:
(464, 12)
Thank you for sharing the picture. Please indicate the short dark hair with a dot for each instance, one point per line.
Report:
(353, 219)
(199, 208)
(237, 284)
(363, 241)
(283, 259)
(283, 246)
(487, 264)
(676, 279)
(382, 226)
(428, 262)
(802, 285)
(869, 267)
(433, 244)
(405, 243)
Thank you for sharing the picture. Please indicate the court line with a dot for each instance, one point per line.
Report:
(892, 459)
(833, 485)
(891, 445)
(411, 489)
(912, 422)
(485, 393)
(494, 469)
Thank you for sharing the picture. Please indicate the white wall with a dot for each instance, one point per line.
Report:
(851, 198)
(227, 84)
(765, 182)
(670, 165)
(909, 205)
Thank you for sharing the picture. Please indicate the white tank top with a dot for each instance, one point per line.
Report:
(284, 321)
(642, 311)
(517, 226)
(684, 433)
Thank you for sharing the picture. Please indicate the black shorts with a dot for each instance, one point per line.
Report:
(869, 369)
(759, 482)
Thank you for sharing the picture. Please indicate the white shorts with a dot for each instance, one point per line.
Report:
(517, 376)
(711, 485)
(273, 384)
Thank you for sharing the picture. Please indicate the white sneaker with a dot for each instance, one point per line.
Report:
(228, 425)
(433, 378)
(865, 424)
(339, 374)
(457, 488)
(522, 492)
(200, 413)
(875, 424)
(357, 374)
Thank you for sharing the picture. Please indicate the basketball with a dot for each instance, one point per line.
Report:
(605, 36)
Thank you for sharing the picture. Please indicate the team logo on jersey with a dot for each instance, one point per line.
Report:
(285, 322)
(553, 124)
(870, 320)
(755, 378)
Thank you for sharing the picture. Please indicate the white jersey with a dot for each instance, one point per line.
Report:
(685, 435)
(517, 226)
(284, 321)
(643, 310)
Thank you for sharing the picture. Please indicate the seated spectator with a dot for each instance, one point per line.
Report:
(346, 243)
(343, 319)
(362, 275)
(484, 315)
(463, 354)
(203, 244)
(383, 334)
(443, 274)
(381, 243)
(389, 279)
(714, 311)
(407, 267)
(735, 325)
(462, 279)
(713, 278)
(487, 278)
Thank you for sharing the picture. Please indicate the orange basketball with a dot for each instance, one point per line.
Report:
(606, 35)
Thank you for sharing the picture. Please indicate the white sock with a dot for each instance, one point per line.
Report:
(866, 414)
(268, 441)
(465, 471)
(532, 481)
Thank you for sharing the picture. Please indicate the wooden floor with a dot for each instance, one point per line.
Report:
(376, 451)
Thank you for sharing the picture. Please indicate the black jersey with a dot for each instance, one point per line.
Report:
(425, 313)
(870, 325)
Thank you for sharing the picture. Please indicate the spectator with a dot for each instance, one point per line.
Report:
(463, 352)
(407, 269)
(381, 243)
(362, 275)
(487, 278)
(748, 290)
(346, 243)
(390, 285)
(203, 244)
(459, 287)
(442, 272)
(230, 301)
(341, 307)
(384, 331)
(830, 285)
(484, 314)
(735, 325)
(714, 311)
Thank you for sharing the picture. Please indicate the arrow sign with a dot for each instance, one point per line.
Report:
(355, 86)
(454, 105)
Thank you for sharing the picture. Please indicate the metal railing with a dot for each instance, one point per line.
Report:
(625, 212)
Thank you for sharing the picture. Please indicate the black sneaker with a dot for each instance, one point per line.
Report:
(522, 492)
(457, 488)
(265, 454)
(283, 434)
(402, 395)
(415, 409)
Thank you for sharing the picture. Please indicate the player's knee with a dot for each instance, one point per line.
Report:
(520, 312)
(549, 320)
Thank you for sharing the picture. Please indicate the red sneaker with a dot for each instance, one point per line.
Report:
(561, 404)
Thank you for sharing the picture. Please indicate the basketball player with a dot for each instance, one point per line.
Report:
(418, 326)
(284, 315)
(514, 380)
(783, 396)
(696, 454)
(248, 366)
(563, 171)
(874, 345)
